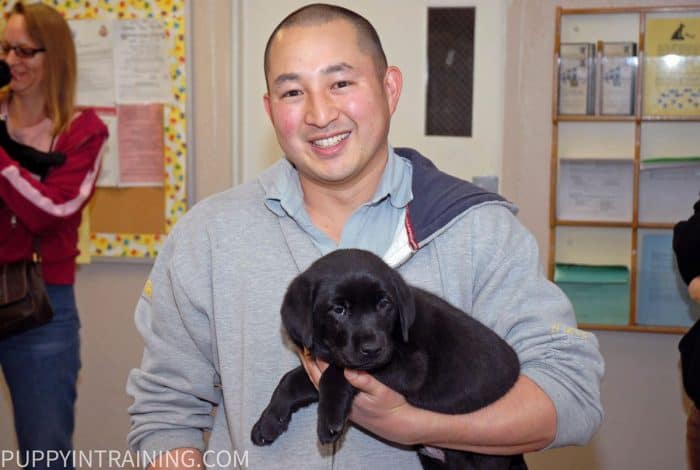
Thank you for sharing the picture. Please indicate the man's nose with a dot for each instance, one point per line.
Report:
(320, 110)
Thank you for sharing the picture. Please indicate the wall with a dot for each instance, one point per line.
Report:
(403, 33)
(645, 409)
(645, 416)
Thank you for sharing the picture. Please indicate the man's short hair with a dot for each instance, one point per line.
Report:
(320, 13)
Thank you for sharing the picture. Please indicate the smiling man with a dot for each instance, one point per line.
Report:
(211, 321)
(330, 101)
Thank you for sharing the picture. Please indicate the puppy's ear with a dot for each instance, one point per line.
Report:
(405, 303)
(297, 311)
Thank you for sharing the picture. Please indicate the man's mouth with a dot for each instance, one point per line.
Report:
(330, 141)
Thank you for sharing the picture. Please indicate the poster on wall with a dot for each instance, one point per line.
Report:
(141, 62)
(140, 137)
(672, 67)
(93, 45)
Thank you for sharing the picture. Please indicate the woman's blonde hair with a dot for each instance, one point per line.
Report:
(49, 30)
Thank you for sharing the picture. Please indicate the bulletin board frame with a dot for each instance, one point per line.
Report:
(136, 237)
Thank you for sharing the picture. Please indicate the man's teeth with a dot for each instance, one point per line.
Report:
(331, 141)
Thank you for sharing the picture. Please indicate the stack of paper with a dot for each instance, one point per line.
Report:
(599, 294)
(668, 188)
(595, 189)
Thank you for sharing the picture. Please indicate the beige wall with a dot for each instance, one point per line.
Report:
(645, 416)
(457, 155)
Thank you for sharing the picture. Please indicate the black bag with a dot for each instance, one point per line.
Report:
(690, 362)
(24, 302)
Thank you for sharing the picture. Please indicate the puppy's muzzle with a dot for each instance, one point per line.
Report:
(371, 348)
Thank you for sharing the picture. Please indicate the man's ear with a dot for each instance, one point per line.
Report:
(266, 102)
(297, 311)
(405, 303)
(393, 83)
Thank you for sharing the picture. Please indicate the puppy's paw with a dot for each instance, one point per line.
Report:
(329, 433)
(268, 428)
(330, 424)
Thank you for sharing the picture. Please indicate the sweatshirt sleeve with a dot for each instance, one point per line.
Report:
(65, 190)
(513, 297)
(177, 386)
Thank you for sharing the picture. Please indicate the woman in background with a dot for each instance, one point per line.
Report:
(686, 244)
(38, 106)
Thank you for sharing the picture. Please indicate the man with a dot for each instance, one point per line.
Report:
(212, 326)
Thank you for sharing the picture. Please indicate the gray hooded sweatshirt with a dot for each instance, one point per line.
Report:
(215, 349)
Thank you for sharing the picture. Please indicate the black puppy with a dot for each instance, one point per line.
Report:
(34, 160)
(353, 311)
(28, 157)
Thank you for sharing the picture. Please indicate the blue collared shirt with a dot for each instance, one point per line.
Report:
(371, 227)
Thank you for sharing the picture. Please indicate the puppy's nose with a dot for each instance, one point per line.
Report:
(370, 348)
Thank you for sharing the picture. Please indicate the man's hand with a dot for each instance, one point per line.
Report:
(314, 367)
(376, 407)
(383, 411)
(184, 458)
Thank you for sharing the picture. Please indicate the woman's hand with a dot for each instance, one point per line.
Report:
(694, 289)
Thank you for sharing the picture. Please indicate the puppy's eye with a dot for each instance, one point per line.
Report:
(338, 310)
(383, 303)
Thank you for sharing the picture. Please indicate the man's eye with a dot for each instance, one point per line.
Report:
(342, 84)
(291, 93)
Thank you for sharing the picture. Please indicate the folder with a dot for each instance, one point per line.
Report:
(577, 78)
(618, 73)
(662, 296)
(599, 294)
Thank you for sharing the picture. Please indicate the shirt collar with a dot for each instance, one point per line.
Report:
(284, 196)
(395, 182)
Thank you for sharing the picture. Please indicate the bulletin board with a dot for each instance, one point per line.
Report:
(132, 222)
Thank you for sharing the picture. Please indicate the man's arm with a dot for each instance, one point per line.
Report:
(174, 389)
(523, 420)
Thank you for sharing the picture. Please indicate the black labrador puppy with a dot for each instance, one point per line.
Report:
(353, 311)
(27, 157)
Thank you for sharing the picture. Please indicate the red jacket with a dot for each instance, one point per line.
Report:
(51, 209)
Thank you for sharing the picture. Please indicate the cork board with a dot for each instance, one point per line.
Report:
(133, 222)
